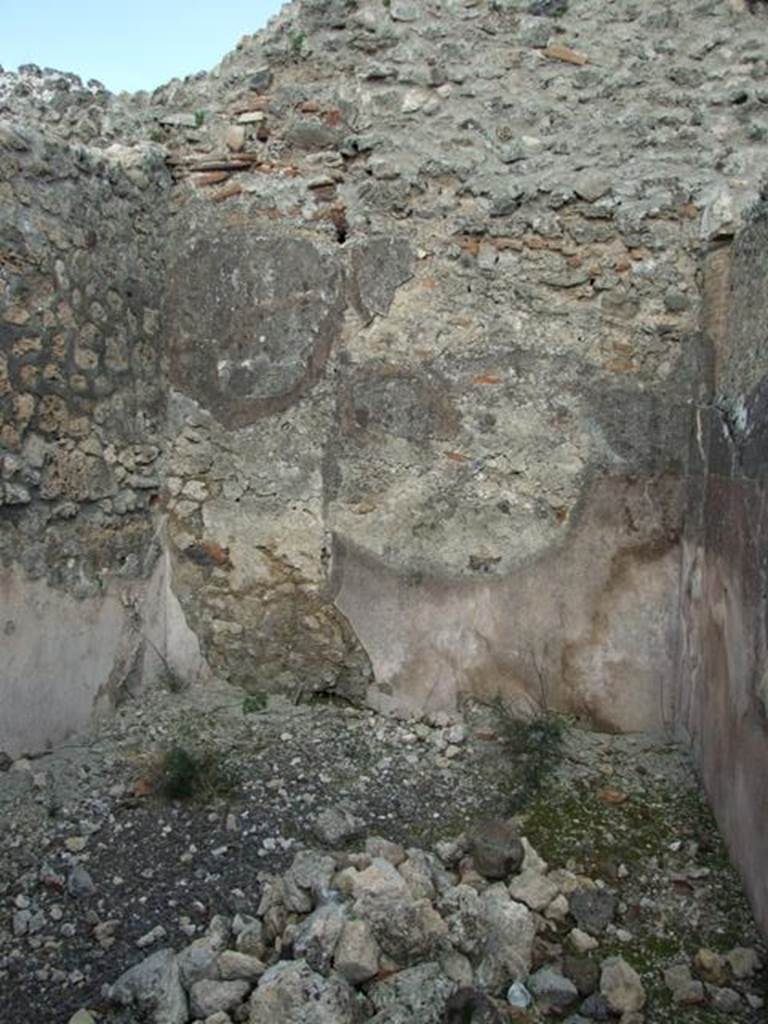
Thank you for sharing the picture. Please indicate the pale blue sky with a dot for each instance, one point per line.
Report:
(131, 44)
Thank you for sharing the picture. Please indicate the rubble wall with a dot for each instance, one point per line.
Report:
(723, 698)
(434, 347)
(82, 402)
(388, 333)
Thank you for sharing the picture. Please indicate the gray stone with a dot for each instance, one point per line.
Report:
(583, 972)
(404, 10)
(292, 993)
(552, 991)
(726, 1000)
(418, 993)
(406, 930)
(154, 988)
(337, 825)
(417, 873)
(684, 987)
(318, 936)
(199, 960)
(236, 966)
(356, 956)
(80, 885)
(308, 880)
(518, 996)
(375, 846)
(593, 909)
(260, 80)
(743, 962)
(533, 888)
(597, 1007)
(464, 913)
(496, 849)
(621, 985)
(379, 267)
(207, 997)
(506, 950)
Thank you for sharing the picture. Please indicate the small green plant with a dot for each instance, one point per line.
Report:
(254, 703)
(199, 118)
(157, 135)
(535, 744)
(297, 42)
(185, 775)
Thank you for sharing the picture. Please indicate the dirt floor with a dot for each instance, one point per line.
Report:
(172, 810)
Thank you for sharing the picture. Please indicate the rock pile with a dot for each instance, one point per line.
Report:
(479, 930)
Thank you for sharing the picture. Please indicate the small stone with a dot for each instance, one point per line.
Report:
(548, 8)
(593, 909)
(79, 883)
(260, 80)
(533, 889)
(581, 941)
(235, 966)
(710, 966)
(380, 879)
(404, 10)
(375, 846)
(531, 859)
(337, 825)
(583, 972)
(75, 844)
(356, 957)
(235, 138)
(727, 1000)
(208, 996)
(552, 990)
(154, 986)
(457, 734)
(597, 1007)
(557, 909)
(82, 1017)
(151, 937)
(318, 935)
(518, 996)
(592, 186)
(743, 962)
(621, 985)
(496, 849)
(291, 991)
(684, 988)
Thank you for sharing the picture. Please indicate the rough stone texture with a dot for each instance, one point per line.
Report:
(292, 992)
(723, 698)
(417, 993)
(154, 988)
(393, 356)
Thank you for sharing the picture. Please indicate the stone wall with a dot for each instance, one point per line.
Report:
(368, 363)
(723, 699)
(82, 403)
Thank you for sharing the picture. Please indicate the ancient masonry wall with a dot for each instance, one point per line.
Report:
(82, 404)
(723, 696)
(368, 363)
